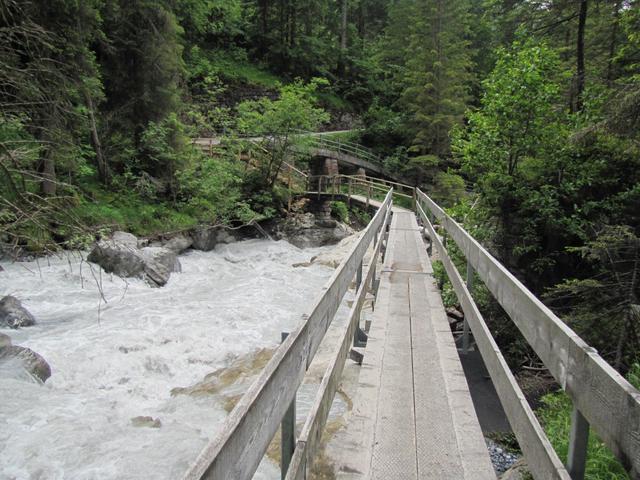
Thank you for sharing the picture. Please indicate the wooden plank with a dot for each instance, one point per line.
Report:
(608, 401)
(311, 433)
(237, 451)
(541, 457)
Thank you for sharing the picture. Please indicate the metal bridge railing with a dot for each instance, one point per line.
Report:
(602, 398)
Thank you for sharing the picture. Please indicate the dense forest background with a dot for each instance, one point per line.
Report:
(520, 115)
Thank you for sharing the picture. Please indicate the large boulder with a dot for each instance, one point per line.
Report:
(179, 243)
(164, 256)
(20, 362)
(120, 255)
(305, 230)
(126, 239)
(518, 471)
(206, 238)
(13, 314)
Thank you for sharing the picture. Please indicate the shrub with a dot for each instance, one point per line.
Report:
(340, 211)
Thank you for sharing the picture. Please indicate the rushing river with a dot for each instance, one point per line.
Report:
(115, 361)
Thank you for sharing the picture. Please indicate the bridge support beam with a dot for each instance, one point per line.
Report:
(287, 433)
(578, 444)
(465, 325)
(359, 337)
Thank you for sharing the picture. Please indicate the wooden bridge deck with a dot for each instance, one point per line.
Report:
(413, 417)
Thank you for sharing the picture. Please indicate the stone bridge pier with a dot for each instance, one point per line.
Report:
(330, 166)
(324, 166)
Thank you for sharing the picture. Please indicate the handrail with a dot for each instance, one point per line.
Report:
(309, 439)
(236, 452)
(609, 403)
(334, 185)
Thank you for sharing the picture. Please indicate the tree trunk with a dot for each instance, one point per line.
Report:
(48, 185)
(343, 38)
(293, 27)
(582, 20)
(613, 41)
(101, 163)
(264, 15)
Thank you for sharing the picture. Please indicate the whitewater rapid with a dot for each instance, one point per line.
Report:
(114, 361)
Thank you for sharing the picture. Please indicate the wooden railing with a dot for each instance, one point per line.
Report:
(245, 436)
(368, 187)
(344, 147)
(602, 398)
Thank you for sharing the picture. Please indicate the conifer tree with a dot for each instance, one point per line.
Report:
(437, 72)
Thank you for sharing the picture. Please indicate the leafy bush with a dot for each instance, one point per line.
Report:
(340, 211)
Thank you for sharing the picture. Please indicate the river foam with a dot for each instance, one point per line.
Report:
(112, 362)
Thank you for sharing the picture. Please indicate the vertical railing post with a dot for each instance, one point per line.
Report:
(465, 324)
(359, 337)
(287, 433)
(578, 445)
(289, 184)
(414, 199)
(349, 190)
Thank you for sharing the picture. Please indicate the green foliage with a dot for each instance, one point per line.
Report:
(518, 123)
(448, 188)
(210, 191)
(340, 211)
(215, 22)
(294, 110)
(362, 216)
(605, 305)
(278, 121)
(449, 298)
(514, 149)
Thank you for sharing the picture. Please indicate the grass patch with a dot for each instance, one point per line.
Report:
(236, 67)
(133, 214)
(340, 211)
(333, 102)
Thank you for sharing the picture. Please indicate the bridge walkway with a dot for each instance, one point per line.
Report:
(413, 417)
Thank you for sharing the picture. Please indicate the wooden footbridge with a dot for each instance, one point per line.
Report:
(413, 416)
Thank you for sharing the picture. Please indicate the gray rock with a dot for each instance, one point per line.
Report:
(179, 243)
(15, 361)
(5, 340)
(126, 239)
(144, 421)
(304, 231)
(164, 256)
(126, 260)
(13, 314)
(518, 471)
(206, 238)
